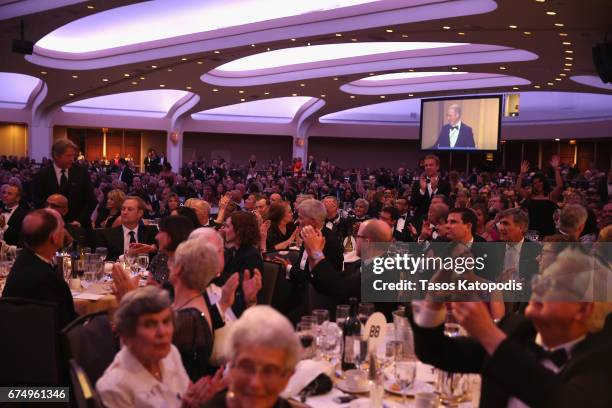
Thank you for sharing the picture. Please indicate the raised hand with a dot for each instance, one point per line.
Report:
(122, 283)
(423, 183)
(555, 161)
(476, 319)
(313, 239)
(524, 167)
(228, 292)
(204, 389)
(251, 285)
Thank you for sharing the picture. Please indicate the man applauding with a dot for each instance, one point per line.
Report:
(558, 355)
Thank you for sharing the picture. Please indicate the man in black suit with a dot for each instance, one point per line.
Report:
(455, 134)
(12, 214)
(337, 224)
(74, 231)
(430, 183)
(311, 167)
(520, 254)
(33, 275)
(558, 355)
(390, 215)
(126, 174)
(312, 213)
(132, 234)
(65, 177)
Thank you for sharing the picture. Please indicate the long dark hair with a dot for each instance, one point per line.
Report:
(178, 227)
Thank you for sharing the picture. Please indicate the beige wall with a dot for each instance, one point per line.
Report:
(13, 139)
(59, 132)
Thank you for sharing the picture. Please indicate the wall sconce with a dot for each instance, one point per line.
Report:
(299, 142)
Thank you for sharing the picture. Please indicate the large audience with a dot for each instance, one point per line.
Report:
(209, 227)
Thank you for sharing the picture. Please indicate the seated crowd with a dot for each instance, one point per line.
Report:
(198, 334)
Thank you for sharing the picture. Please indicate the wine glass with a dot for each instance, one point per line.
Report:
(306, 336)
(322, 315)
(102, 253)
(361, 351)
(342, 313)
(405, 372)
(143, 262)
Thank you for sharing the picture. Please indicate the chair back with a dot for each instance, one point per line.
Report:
(83, 393)
(30, 352)
(90, 341)
(269, 276)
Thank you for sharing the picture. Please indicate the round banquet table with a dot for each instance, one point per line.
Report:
(84, 306)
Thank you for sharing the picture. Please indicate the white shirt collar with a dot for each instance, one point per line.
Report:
(566, 346)
(126, 230)
(517, 245)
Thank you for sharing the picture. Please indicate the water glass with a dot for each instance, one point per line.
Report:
(322, 315)
(143, 263)
(305, 331)
(405, 372)
(361, 351)
(102, 253)
(452, 387)
(364, 312)
(342, 313)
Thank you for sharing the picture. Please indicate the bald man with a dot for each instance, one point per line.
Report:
(332, 282)
(74, 231)
(33, 275)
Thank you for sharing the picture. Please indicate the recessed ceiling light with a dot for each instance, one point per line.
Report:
(90, 7)
(188, 87)
(322, 95)
(215, 90)
(293, 94)
(569, 58)
(353, 39)
(371, 74)
(513, 26)
(411, 70)
(410, 94)
(454, 68)
(550, 83)
(335, 78)
(242, 99)
(540, 1)
(183, 59)
(563, 75)
(75, 76)
(567, 69)
(446, 27)
(169, 69)
(569, 51)
(527, 32)
(142, 78)
(389, 30)
(567, 64)
(551, 13)
(559, 25)
(104, 79)
(382, 96)
(293, 39)
(266, 93)
(70, 94)
(43, 72)
(566, 43)
(461, 33)
(404, 35)
(200, 62)
(557, 139)
(338, 35)
(502, 68)
(557, 79)
(536, 86)
(134, 83)
(563, 34)
(162, 85)
(241, 91)
(268, 49)
(153, 66)
(126, 75)
(352, 96)
(308, 44)
(515, 88)
(253, 45)
(302, 84)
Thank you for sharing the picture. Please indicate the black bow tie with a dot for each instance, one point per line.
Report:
(454, 127)
(558, 357)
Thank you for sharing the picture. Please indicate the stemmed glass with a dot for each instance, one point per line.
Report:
(342, 313)
(143, 262)
(405, 372)
(306, 336)
(364, 312)
(361, 351)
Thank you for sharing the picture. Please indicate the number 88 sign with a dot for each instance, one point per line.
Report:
(375, 330)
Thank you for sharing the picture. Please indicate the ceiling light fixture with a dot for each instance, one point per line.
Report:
(557, 79)
(536, 86)
(568, 64)
(188, 87)
(559, 25)
(322, 95)
(162, 85)
(410, 94)
(569, 58)
(527, 32)
(242, 99)
(183, 59)
(515, 88)
(217, 52)
(404, 35)
(142, 78)
(169, 69)
(104, 79)
(461, 33)
(153, 66)
(43, 72)
(563, 34)
(90, 7)
(353, 39)
(266, 93)
(550, 83)
(446, 27)
(126, 75)
(293, 94)
(557, 139)
(382, 96)
(134, 83)
(454, 68)
(335, 78)
(200, 62)
(241, 91)
(389, 30)
(567, 69)
(502, 68)
(75, 76)
(551, 13)
(302, 84)
(215, 90)
(70, 94)
(513, 26)
(293, 39)
(566, 43)
(253, 45)
(338, 35)
(569, 51)
(352, 96)
(563, 75)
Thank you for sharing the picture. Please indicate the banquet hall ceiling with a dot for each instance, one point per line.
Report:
(560, 43)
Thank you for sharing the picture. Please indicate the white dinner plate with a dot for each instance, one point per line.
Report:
(343, 386)
(411, 391)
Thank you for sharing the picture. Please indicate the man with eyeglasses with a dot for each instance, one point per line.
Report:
(558, 354)
(263, 350)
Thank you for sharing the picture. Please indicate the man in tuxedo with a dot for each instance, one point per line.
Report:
(132, 234)
(558, 355)
(455, 134)
(520, 254)
(12, 213)
(572, 221)
(33, 275)
(404, 222)
(312, 213)
(401, 179)
(390, 216)
(74, 231)
(126, 175)
(430, 183)
(65, 177)
(334, 221)
(311, 167)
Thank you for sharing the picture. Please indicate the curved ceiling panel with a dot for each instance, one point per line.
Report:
(412, 82)
(16, 89)
(535, 107)
(10, 8)
(151, 104)
(274, 110)
(299, 63)
(591, 80)
(166, 28)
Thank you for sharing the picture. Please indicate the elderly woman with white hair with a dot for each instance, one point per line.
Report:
(262, 358)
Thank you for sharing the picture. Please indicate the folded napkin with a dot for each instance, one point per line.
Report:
(305, 372)
(88, 296)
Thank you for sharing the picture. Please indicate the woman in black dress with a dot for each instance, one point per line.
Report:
(282, 231)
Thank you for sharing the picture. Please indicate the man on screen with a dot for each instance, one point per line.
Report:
(455, 134)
